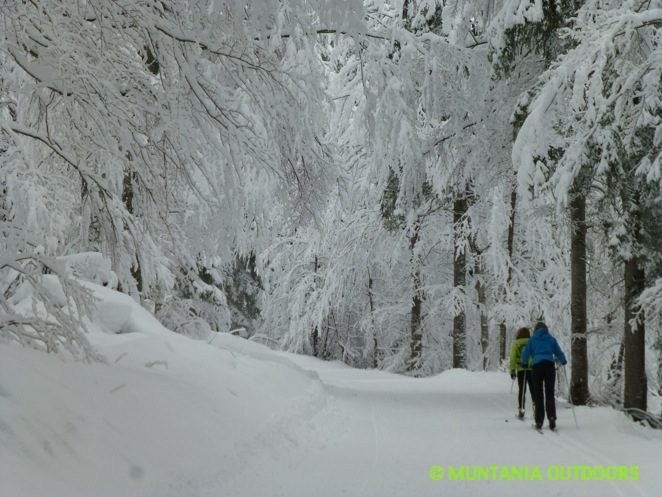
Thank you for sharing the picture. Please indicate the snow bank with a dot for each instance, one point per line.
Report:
(162, 417)
(90, 266)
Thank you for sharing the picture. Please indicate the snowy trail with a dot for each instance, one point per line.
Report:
(171, 417)
(458, 418)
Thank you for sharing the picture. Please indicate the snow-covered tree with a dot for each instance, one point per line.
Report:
(160, 133)
(591, 134)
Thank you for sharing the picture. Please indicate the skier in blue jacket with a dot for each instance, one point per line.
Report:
(540, 351)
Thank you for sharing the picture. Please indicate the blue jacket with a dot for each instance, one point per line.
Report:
(542, 347)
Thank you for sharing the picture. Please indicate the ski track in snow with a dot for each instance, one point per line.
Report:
(590, 455)
(565, 445)
(235, 419)
(370, 473)
(596, 457)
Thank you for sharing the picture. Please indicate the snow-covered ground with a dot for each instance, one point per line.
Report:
(168, 416)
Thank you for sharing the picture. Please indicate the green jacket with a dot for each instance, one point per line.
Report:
(516, 355)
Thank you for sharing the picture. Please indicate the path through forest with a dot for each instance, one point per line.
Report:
(375, 434)
(168, 416)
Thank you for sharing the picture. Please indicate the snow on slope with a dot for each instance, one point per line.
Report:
(168, 416)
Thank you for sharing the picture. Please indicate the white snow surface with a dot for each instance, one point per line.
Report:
(169, 416)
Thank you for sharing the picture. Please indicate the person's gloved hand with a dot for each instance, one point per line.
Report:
(513, 375)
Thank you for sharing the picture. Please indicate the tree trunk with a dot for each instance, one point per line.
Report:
(459, 282)
(482, 308)
(510, 245)
(127, 199)
(615, 374)
(416, 343)
(315, 340)
(579, 393)
(484, 330)
(635, 384)
(315, 334)
(372, 320)
(416, 332)
(405, 10)
(502, 342)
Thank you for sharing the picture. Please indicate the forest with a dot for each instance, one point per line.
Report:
(394, 184)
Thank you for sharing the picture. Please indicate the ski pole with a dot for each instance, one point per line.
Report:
(567, 386)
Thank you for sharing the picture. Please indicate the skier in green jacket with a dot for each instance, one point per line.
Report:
(519, 371)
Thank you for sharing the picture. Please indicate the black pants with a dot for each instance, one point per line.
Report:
(544, 375)
(524, 379)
